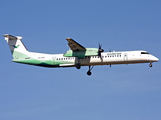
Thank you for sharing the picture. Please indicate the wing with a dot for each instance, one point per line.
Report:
(74, 45)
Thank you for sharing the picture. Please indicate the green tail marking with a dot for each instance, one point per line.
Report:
(16, 46)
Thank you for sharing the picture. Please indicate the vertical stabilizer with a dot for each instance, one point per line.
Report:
(16, 46)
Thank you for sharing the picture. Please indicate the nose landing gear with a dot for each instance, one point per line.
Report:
(150, 65)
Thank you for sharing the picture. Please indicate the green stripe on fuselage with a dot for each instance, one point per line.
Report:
(46, 63)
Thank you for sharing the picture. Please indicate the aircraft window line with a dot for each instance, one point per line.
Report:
(66, 58)
(88, 57)
(105, 56)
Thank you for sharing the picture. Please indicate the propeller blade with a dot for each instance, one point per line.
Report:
(100, 50)
(100, 46)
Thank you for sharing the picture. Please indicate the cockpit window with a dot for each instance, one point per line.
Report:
(145, 53)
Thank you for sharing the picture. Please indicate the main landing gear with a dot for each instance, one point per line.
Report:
(90, 68)
(89, 71)
(78, 65)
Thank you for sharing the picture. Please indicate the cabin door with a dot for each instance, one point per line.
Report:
(53, 60)
(125, 57)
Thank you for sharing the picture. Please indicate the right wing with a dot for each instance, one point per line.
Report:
(74, 46)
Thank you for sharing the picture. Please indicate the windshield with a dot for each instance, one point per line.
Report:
(145, 53)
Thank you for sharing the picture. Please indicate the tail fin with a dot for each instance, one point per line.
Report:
(16, 46)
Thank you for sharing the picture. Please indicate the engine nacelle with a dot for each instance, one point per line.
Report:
(82, 53)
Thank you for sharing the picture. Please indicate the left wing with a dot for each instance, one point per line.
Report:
(74, 46)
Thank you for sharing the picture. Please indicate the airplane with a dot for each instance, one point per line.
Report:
(77, 56)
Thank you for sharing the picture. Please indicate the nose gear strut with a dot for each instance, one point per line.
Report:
(150, 65)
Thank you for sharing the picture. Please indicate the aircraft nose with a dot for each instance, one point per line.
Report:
(155, 59)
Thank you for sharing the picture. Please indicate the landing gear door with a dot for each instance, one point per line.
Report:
(125, 57)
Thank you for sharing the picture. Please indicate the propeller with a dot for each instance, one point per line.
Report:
(100, 50)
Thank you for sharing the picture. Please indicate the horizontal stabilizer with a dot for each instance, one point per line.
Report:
(10, 37)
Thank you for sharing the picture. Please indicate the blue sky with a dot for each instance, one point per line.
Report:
(122, 92)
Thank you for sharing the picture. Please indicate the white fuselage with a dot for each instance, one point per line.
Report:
(77, 56)
(107, 58)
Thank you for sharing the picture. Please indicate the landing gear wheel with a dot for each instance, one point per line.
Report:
(89, 73)
(78, 66)
(150, 65)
